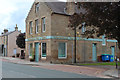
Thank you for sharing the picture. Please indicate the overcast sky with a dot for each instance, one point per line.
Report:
(14, 12)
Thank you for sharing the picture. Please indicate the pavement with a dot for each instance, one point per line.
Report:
(101, 72)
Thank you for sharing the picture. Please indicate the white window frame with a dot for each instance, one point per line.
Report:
(83, 28)
(31, 26)
(65, 51)
(36, 7)
(36, 26)
(41, 51)
(43, 24)
(103, 39)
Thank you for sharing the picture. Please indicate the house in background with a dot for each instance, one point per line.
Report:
(8, 43)
(1, 45)
(49, 38)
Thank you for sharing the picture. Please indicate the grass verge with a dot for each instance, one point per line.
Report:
(103, 63)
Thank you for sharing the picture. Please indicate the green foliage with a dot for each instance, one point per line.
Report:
(21, 40)
(103, 15)
(103, 63)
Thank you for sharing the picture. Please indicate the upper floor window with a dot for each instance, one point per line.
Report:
(31, 27)
(43, 25)
(36, 7)
(83, 28)
(103, 40)
(36, 25)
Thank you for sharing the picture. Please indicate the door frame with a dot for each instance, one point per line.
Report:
(113, 48)
(37, 52)
(94, 52)
(41, 50)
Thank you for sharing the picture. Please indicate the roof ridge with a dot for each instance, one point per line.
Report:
(5, 34)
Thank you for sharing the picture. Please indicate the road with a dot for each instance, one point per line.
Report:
(11, 70)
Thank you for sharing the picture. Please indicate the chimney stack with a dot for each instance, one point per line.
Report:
(16, 28)
(70, 8)
(20, 31)
(5, 30)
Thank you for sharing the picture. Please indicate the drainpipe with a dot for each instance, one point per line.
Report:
(116, 57)
(7, 47)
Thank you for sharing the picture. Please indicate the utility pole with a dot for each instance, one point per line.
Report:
(75, 44)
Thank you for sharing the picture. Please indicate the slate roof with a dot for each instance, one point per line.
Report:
(57, 7)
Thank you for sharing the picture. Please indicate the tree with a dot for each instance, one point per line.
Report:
(20, 42)
(104, 16)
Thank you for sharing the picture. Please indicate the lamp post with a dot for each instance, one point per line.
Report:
(75, 41)
(116, 57)
(75, 45)
(116, 62)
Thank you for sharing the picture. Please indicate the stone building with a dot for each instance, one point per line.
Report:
(8, 45)
(49, 38)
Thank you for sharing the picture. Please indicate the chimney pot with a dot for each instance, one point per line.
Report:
(16, 28)
(5, 30)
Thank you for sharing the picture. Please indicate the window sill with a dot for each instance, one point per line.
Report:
(43, 31)
(62, 57)
(31, 33)
(43, 57)
(103, 44)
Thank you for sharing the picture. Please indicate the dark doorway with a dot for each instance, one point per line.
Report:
(22, 54)
(2, 48)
